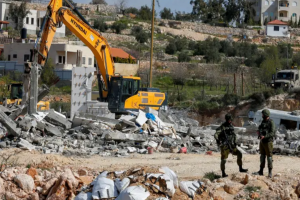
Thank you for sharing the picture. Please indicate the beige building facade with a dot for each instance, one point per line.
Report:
(282, 10)
(63, 56)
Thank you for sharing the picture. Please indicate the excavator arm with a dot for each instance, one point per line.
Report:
(122, 93)
(55, 16)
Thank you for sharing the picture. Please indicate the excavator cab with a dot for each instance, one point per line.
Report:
(121, 89)
(16, 91)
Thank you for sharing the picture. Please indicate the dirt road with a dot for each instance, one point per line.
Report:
(187, 166)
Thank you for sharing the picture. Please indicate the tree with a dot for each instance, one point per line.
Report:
(296, 59)
(248, 9)
(100, 25)
(99, 2)
(18, 13)
(121, 5)
(184, 57)
(265, 21)
(166, 14)
(299, 22)
(145, 13)
(208, 11)
(212, 55)
(269, 65)
(179, 74)
(118, 26)
(131, 10)
(48, 75)
(2, 57)
(140, 35)
(181, 43)
(232, 12)
(285, 50)
(171, 48)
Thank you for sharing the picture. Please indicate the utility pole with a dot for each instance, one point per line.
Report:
(151, 51)
(234, 84)
(243, 88)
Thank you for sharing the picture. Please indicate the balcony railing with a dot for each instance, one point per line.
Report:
(285, 19)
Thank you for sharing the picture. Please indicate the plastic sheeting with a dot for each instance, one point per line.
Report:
(134, 193)
(104, 188)
(84, 196)
(171, 174)
(122, 185)
(190, 187)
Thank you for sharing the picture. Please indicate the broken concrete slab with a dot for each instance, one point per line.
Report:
(141, 119)
(24, 144)
(27, 123)
(58, 119)
(53, 130)
(9, 124)
(118, 136)
(130, 123)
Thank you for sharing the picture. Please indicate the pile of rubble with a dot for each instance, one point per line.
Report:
(140, 183)
(138, 132)
(52, 132)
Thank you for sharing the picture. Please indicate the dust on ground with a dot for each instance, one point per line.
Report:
(186, 166)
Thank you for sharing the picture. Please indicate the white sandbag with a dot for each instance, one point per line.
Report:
(134, 193)
(122, 185)
(190, 187)
(170, 191)
(84, 196)
(171, 174)
(104, 188)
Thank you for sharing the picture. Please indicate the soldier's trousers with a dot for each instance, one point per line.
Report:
(266, 150)
(225, 151)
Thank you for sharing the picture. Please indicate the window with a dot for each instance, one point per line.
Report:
(83, 60)
(90, 61)
(271, 14)
(27, 20)
(26, 57)
(37, 22)
(32, 21)
(6, 18)
(281, 14)
(16, 20)
(8, 57)
(266, 14)
(294, 14)
(294, 3)
(297, 77)
(271, 2)
(276, 28)
(61, 59)
(266, 3)
(284, 27)
(15, 56)
(257, 3)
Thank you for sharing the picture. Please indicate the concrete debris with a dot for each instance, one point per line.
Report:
(164, 131)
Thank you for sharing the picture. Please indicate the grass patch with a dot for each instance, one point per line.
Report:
(211, 176)
(252, 189)
(60, 90)
(28, 166)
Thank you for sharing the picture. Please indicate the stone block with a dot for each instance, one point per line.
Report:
(58, 119)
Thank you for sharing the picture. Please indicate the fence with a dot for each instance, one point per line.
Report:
(15, 70)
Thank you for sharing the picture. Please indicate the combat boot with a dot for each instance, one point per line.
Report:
(260, 172)
(243, 170)
(270, 173)
(224, 175)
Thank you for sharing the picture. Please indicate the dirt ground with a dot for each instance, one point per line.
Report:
(187, 166)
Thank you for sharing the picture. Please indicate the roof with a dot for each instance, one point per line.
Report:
(277, 22)
(119, 53)
(4, 22)
(281, 114)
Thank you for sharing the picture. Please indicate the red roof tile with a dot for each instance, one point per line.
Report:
(119, 53)
(277, 22)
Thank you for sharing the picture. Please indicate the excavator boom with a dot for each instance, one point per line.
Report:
(123, 90)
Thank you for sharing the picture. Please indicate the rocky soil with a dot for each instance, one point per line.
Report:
(31, 175)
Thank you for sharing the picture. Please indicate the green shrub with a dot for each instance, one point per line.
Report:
(184, 57)
(206, 106)
(171, 48)
(230, 99)
(118, 26)
(258, 97)
(211, 176)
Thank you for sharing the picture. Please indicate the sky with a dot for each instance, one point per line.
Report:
(174, 5)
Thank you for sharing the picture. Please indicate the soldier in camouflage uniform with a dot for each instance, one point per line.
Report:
(266, 134)
(226, 139)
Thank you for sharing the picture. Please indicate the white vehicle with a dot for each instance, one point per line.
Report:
(291, 120)
(286, 79)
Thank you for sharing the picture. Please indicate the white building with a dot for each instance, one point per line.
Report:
(32, 21)
(277, 28)
(64, 56)
(283, 10)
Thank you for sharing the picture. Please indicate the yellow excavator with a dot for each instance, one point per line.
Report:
(15, 91)
(121, 92)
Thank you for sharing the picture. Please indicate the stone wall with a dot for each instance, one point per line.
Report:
(118, 38)
(214, 30)
(126, 69)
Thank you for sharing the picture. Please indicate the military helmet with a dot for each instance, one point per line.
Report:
(228, 117)
(266, 112)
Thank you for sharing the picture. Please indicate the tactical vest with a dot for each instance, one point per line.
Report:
(229, 130)
(264, 129)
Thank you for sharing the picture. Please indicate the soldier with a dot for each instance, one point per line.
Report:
(266, 133)
(226, 139)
